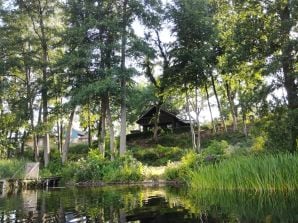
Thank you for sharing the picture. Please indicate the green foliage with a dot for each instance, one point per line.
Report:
(216, 148)
(215, 152)
(158, 155)
(258, 144)
(77, 151)
(96, 168)
(123, 169)
(277, 129)
(265, 172)
(55, 166)
(12, 168)
(181, 140)
(181, 171)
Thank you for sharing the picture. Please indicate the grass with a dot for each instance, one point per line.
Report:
(258, 173)
(12, 168)
(157, 155)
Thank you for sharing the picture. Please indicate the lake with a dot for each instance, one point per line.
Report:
(146, 204)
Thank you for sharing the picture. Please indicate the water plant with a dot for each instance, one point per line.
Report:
(259, 173)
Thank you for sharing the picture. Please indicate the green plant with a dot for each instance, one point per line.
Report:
(158, 155)
(263, 172)
(12, 168)
(182, 171)
(215, 151)
(258, 144)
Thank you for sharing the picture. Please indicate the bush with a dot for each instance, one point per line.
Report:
(215, 151)
(157, 156)
(96, 168)
(12, 168)
(182, 171)
(258, 144)
(276, 128)
(123, 169)
(182, 140)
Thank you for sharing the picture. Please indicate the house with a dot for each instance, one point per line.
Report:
(167, 120)
(77, 136)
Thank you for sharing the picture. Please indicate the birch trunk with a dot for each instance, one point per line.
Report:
(232, 107)
(123, 80)
(67, 138)
(193, 135)
(111, 129)
(218, 103)
(210, 110)
(197, 111)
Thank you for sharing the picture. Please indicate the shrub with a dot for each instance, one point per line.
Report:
(123, 169)
(157, 156)
(276, 128)
(182, 171)
(96, 168)
(12, 168)
(258, 144)
(215, 151)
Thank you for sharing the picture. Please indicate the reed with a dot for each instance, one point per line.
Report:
(258, 173)
(11, 168)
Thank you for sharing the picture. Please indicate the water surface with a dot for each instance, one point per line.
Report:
(146, 204)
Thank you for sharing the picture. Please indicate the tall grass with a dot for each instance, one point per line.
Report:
(12, 168)
(259, 173)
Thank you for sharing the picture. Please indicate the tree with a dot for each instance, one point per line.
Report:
(42, 13)
(194, 31)
(261, 33)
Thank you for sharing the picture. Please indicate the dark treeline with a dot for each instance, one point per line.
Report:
(60, 59)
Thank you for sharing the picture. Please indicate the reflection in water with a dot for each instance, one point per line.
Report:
(139, 204)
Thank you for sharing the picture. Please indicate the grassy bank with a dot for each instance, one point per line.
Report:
(93, 167)
(11, 168)
(259, 173)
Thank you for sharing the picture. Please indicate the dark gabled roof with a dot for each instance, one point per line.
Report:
(153, 110)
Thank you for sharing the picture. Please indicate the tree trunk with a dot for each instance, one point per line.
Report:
(46, 139)
(9, 146)
(34, 135)
(65, 147)
(244, 123)
(22, 149)
(31, 110)
(101, 139)
(44, 96)
(122, 216)
(61, 134)
(35, 146)
(232, 107)
(123, 80)
(210, 110)
(197, 110)
(193, 134)
(290, 76)
(89, 127)
(39, 121)
(111, 129)
(218, 103)
(156, 122)
(58, 136)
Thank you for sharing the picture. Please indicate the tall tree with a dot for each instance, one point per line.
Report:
(262, 33)
(43, 15)
(194, 29)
